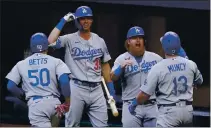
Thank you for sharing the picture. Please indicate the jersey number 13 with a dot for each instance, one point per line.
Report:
(180, 85)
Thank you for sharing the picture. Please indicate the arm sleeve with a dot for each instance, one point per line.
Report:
(61, 68)
(151, 82)
(64, 84)
(106, 55)
(12, 87)
(14, 75)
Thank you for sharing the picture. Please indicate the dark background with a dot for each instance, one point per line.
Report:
(19, 20)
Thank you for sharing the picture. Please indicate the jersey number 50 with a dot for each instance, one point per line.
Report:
(42, 74)
(181, 89)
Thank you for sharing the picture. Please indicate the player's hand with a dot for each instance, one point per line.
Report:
(69, 17)
(62, 109)
(126, 63)
(111, 99)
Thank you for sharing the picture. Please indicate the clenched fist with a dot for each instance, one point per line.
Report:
(69, 17)
(126, 63)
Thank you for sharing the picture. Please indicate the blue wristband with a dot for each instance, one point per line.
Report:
(118, 71)
(111, 88)
(61, 24)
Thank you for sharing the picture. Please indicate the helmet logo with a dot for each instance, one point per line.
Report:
(39, 47)
(84, 10)
(137, 30)
(173, 51)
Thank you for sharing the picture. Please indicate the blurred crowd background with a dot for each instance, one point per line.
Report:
(21, 18)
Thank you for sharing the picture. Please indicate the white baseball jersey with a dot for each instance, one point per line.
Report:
(135, 75)
(39, 73)
(172, 79)
(84, 57)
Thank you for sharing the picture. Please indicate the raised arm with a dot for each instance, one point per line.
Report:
(57, 30)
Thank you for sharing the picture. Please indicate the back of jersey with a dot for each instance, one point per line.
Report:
(176, 76)
(38, 73)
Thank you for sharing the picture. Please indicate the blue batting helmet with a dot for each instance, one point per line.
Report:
(38, 42)
(171, 43)
(83, 11)
(135, 31)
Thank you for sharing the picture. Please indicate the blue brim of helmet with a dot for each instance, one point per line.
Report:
(83, 16)
(136, 35)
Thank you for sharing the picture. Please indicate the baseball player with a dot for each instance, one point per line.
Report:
(39, 73)
(133, 67)
(87, 56)
(172, 79)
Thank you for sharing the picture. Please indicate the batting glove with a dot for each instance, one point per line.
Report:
(62, 109)
(132, 107)
(69, 17)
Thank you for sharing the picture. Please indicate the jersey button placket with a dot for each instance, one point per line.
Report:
(86, 68)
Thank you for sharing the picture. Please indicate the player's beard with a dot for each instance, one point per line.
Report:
(138, 52)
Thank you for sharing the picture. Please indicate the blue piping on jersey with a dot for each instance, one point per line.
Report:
(61, 24)
(64, 84)
(12, 87)
(58, 44)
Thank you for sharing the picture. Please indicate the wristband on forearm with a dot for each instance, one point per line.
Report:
(61, 24)
(111, 88)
